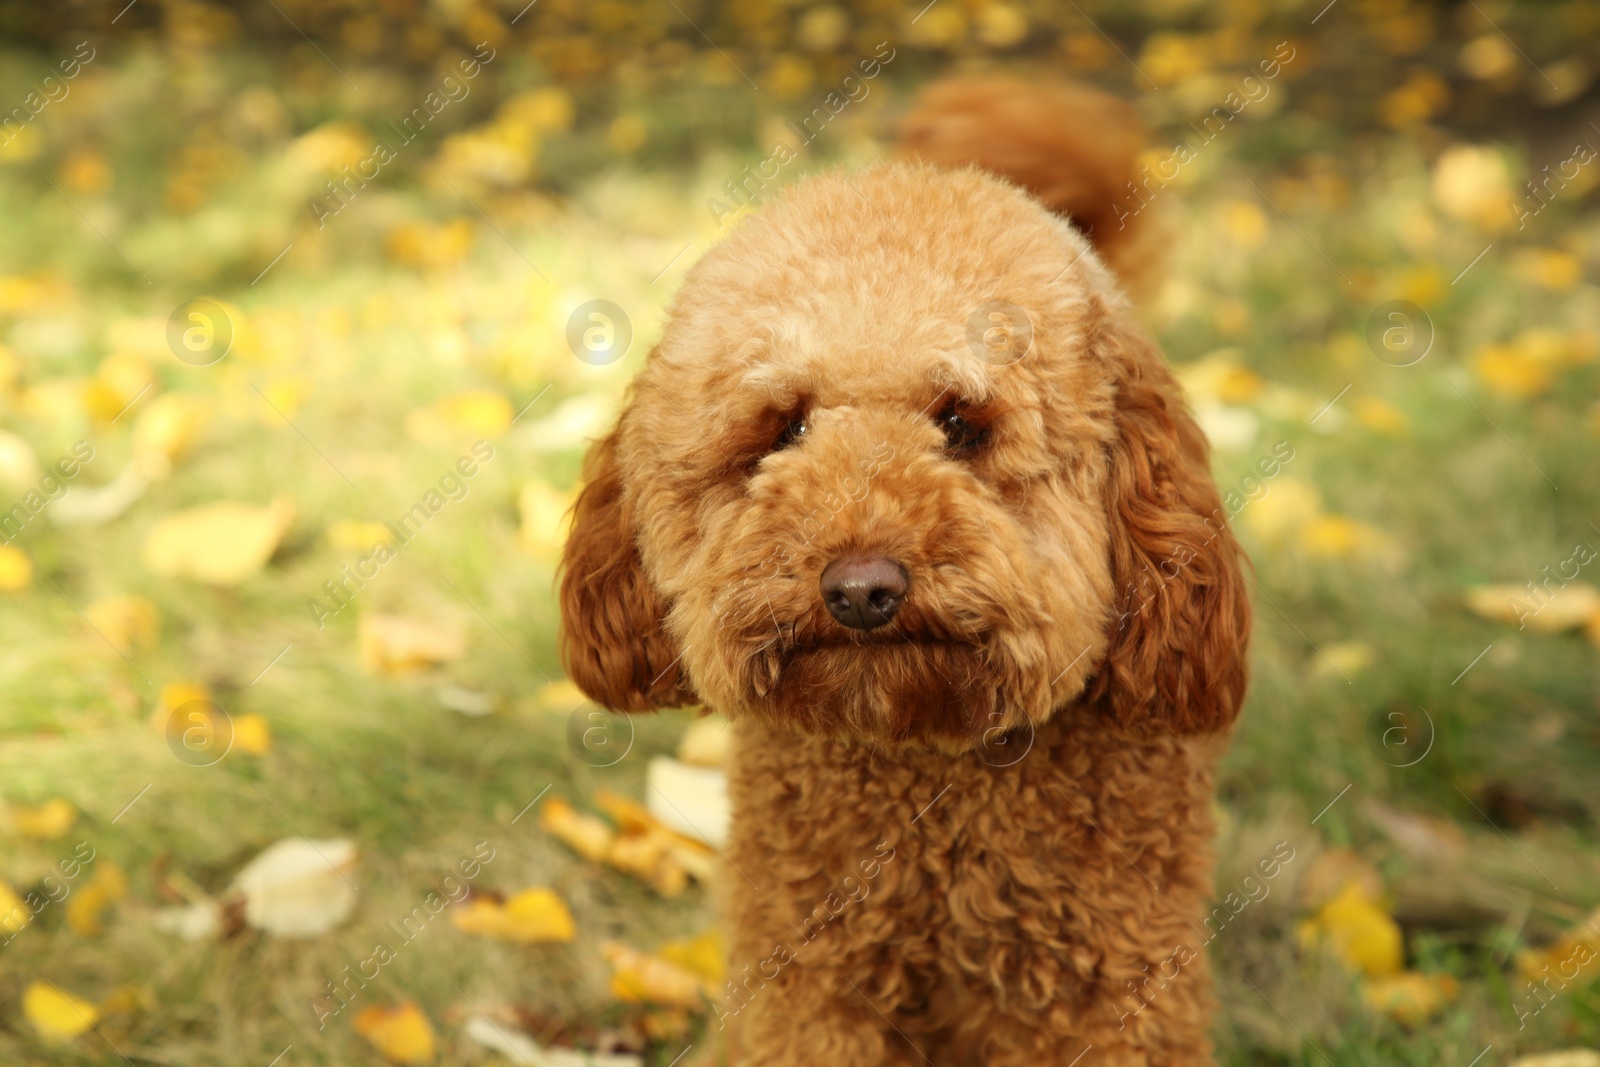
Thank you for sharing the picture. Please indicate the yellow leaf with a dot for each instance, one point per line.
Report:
(1289, 504)
(639, 978)
(1581, 947)
(1341, 537)
(585, 834)
(14, 913)
(1357, 932)
(1345, 657)
(479, 915)
(57, 1015)
(1509, 372)
(535, 915)
(626, 134)
(16, 569)
(1549, 268)
(1220, 376)
(475, 413)
(221, 544)
(175, 695)
(396, 644)
(1473, 184)
(705, 956)
(251, 734)
(1381, 415)
(649, 857)
(546, 109)
(121, 377)
(419, 244)
(167, 428)
(1001, 25)
(559, 698)
(45, 821)
(128, 622)
(359, 536)
(86, 908)
(1541, 609)
(1410, 997)
(401, 1033)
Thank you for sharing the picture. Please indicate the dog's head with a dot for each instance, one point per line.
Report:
(903, 467)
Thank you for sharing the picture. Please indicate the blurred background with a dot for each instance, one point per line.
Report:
(300, 350)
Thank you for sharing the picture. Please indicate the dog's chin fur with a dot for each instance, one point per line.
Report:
(911, 692)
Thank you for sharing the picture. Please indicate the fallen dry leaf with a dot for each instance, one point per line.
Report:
(690, 800)
(86, 908)
(1410, 997)
(128, 622)
(251, 734)
(1550, 612)
(1572, 1057)
(588, 836)
(43, 822)
(401, 1032)
(532, 916)
(221, 544)
(298, 887)
(1356, 930)
(521, 1049)
(56, 1014)
(16, 569)
(14, 912)
(395, 644)
(639, 978)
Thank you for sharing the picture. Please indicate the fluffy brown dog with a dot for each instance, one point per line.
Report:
(905, 491)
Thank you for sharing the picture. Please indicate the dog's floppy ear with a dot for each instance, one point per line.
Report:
(1176, 660)
(612, 641)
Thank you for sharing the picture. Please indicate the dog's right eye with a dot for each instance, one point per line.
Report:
(795, 429)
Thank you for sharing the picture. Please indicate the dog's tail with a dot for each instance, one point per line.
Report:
(1073, 147)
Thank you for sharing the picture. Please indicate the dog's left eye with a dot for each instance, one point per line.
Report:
(960, 435)
(796, 429)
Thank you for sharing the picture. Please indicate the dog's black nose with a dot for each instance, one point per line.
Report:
(863, 592)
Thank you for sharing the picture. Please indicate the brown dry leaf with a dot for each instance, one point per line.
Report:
(395, 644)
(221, 544)
(590, 837)
(639, 978)
(401, 1032)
